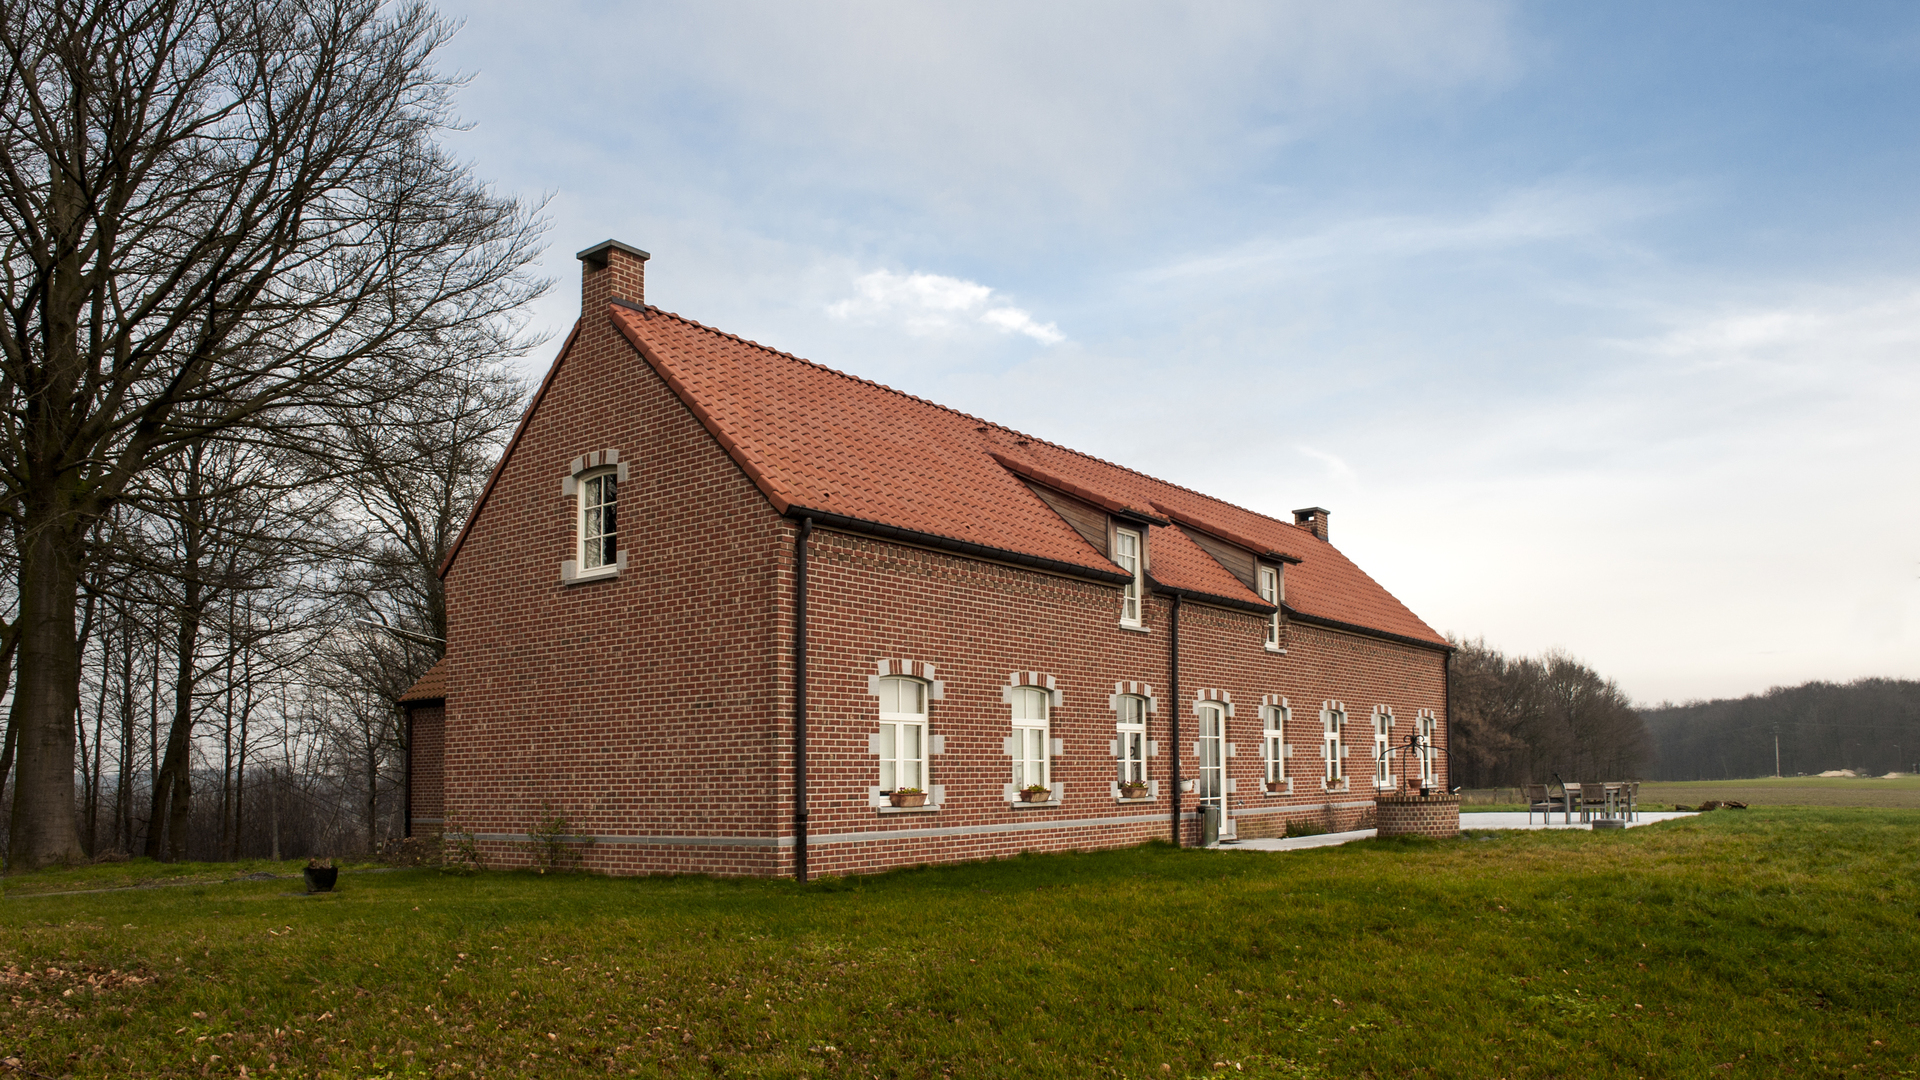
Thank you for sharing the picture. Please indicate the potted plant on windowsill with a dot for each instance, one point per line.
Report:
(1133, 789)
(1276, 787)
(1035, 793)
(908, 796)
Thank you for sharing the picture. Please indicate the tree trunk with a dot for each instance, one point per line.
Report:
(47, 695)
(123, 793)
(373, 795)
(173, 791)
(273, 809)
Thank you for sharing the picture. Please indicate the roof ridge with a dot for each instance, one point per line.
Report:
(695, 323)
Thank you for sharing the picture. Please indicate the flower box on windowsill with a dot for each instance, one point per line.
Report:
(1133, 792)
(907, 798)
(1334, 785)
(1278, 787)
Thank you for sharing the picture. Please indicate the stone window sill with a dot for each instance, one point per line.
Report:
(1048, 805)
(1141, 799)
(1276, 650)
(1132, 629)
(927, 809)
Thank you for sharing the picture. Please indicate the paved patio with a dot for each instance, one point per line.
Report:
(1517, 820)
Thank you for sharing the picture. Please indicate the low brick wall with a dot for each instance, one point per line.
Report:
(1417, 815)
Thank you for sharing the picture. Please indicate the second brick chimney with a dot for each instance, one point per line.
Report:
(611, 270)
(1313, 519)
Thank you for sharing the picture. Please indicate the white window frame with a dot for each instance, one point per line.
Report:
(1130, 744)
(589, 546)
(1333, 720)
(1428, 725)
(1135, 563)
(1382, 747)
(901, 732)
(1032, 764)
(1269, 578)
(574, 486)
(1274, 748)
(1030, 745)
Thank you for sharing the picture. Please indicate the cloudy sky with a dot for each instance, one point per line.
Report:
(1596, 326)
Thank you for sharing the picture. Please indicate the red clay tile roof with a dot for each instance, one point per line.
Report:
(817, 439)
(431, 687)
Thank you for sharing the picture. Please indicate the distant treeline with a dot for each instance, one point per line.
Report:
(1870, 726)
(1521, 719)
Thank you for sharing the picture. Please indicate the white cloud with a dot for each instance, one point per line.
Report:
(931, 305)
(1337, 468)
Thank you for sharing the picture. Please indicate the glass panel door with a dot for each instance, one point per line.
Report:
(1213, 756)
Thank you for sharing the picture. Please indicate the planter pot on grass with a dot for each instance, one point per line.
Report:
(321, 878)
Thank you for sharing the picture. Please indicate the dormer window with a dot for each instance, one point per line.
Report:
(1270, 592)
(1127, 550)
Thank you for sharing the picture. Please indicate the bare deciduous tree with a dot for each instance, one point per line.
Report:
(217, 215)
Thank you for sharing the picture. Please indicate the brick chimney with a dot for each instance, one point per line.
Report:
(1313, 519)
(611, 270)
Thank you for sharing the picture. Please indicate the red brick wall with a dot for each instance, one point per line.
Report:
(426, 756)
(642, 706)
(653, 711)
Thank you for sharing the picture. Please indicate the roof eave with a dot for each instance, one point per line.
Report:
(971, 549)
(1355, 628)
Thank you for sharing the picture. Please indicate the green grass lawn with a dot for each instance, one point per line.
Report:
(1757, 944)
(1873, 792)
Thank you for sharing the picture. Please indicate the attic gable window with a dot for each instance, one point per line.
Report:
(593, 485)
(599, 521)
(1127, 551)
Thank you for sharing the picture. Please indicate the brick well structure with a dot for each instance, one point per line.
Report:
(1413, 814)
(718, 604)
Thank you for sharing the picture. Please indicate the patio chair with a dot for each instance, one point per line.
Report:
(1594, 802)
(1539, 801)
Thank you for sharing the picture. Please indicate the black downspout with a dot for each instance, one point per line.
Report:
(1173, 733)
(800, 699)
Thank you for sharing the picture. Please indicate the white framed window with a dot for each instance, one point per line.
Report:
(1130, 724)
(1382, 747)
(599, 521)
(1270, 592)
(1426, 725)
(902, 743)
(1031, 708)
(593, 483)
(1333, 718)
(1128, 550)
(1274, 733)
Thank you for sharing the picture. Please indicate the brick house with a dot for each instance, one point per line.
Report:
(722, 609)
